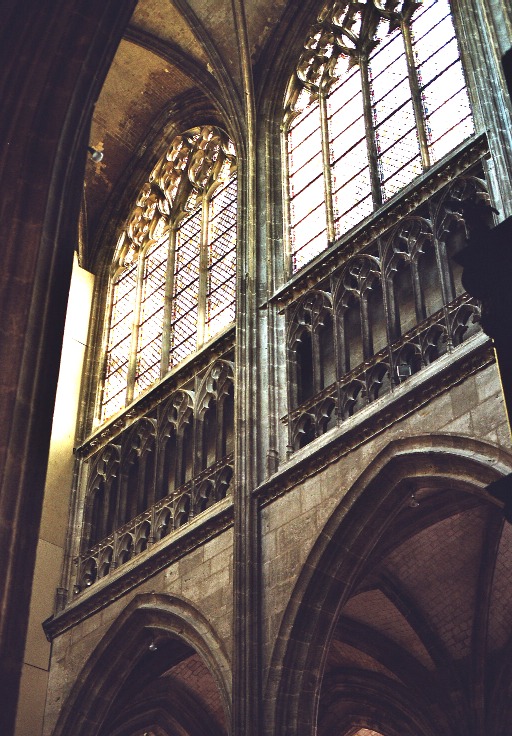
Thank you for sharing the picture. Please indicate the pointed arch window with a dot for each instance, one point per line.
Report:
(172, 286)
(378, 96)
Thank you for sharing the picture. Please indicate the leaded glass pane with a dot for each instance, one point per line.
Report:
(307, 199)
(443, 88)
(345, 105)
(351, 185)
(306, 187)
(305, 253)
(119, 342)
(349, 219)
(351, 188)
(398, 149)
(220, 305)
(394, 110)
(150, 333)
(144, 315)
(186, 289)
(303, 177)
(403, 175)
(426, 21)
(303, 138)
(456, 109)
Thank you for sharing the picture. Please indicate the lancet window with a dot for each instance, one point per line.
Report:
(173, 276)
(377, 98)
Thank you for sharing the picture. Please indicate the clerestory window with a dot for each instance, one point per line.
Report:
(173, 275)
(378, 97)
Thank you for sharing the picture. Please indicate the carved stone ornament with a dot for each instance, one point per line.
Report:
(193, 162)
(343, 32)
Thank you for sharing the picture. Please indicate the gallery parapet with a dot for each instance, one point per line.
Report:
(376, 225)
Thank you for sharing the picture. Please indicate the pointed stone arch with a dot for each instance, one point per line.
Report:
(336, 560)
(148, 618)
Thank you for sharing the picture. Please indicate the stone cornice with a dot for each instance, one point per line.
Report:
(418, 391)
(216, 520)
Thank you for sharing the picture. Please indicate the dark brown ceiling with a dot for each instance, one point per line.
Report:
(170, 50)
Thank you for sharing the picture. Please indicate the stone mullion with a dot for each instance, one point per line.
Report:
(203, 273)
(416, 95)
(447, 280)
(338, 328)
(337, 337)
(292, 365)
(160, 449)
(89, 521)
(123, 495)
(198, 441)
(344, 346)
(142, 480)
(447, 285)
(394, 316)
(179, 464)
(291, 389)
(153, 449)
(169, 289)
(103, 512)
(386, 288)
(132, 362)
(118, 514)
(326, 157)
(315, 355)
(443, 264)
(220, 429)
(131, 497)
(419, 300)
(373, 159)
(365, 325)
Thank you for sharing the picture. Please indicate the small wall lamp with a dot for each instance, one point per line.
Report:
(96, 155)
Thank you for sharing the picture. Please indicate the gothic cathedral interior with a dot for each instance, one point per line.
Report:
(251, 407)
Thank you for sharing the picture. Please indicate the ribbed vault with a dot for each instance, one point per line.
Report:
(425, 628)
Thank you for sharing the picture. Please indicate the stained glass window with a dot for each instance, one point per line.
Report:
(185, 298)
(120, 338)
(173, 276)
(220, 292)
(377, 98)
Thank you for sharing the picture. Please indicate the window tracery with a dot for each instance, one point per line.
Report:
(377, 98)
(173, 277)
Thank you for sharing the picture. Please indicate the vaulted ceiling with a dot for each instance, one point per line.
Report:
(179, 64)
(423, 645)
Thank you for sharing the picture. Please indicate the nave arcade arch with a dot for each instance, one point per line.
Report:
(400, 620)
(159, 670)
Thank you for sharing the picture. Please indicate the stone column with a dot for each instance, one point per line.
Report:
(53, 62)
